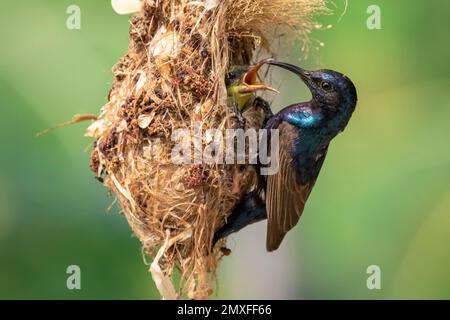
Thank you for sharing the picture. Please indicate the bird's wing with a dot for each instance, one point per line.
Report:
(285, 195)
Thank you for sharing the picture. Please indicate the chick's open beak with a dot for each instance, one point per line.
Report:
(250, 82)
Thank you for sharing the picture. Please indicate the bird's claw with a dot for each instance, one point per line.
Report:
(240, 119)
(264, 105)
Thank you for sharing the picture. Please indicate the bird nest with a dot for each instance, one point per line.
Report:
(172, 77)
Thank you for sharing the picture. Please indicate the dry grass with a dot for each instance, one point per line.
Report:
(171, 77)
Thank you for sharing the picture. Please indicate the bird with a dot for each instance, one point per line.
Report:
(305, 131)
(242, 84)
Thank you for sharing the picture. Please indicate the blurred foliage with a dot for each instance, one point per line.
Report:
(383, 196)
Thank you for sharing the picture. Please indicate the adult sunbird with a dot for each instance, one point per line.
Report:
(305, 132)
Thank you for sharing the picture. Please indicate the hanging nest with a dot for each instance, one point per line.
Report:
(172, 77)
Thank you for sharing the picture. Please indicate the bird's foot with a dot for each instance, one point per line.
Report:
(265, 106)
(239, 117)
(240, 120)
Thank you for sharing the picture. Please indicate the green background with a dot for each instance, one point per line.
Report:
(383, 196)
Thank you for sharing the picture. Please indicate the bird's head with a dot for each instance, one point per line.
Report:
(242, 83)
(330, 89)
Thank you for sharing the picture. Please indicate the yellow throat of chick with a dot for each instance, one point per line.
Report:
(245, 87)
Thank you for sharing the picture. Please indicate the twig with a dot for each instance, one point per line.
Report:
(76, 118)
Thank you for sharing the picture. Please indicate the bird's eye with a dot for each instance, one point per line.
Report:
(229, 78)
(326, 86)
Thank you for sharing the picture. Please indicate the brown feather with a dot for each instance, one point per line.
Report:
(285, 197)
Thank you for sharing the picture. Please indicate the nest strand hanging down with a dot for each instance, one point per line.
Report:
(172, 77)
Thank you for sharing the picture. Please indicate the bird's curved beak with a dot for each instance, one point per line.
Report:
(250, 82)
(302, 73)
